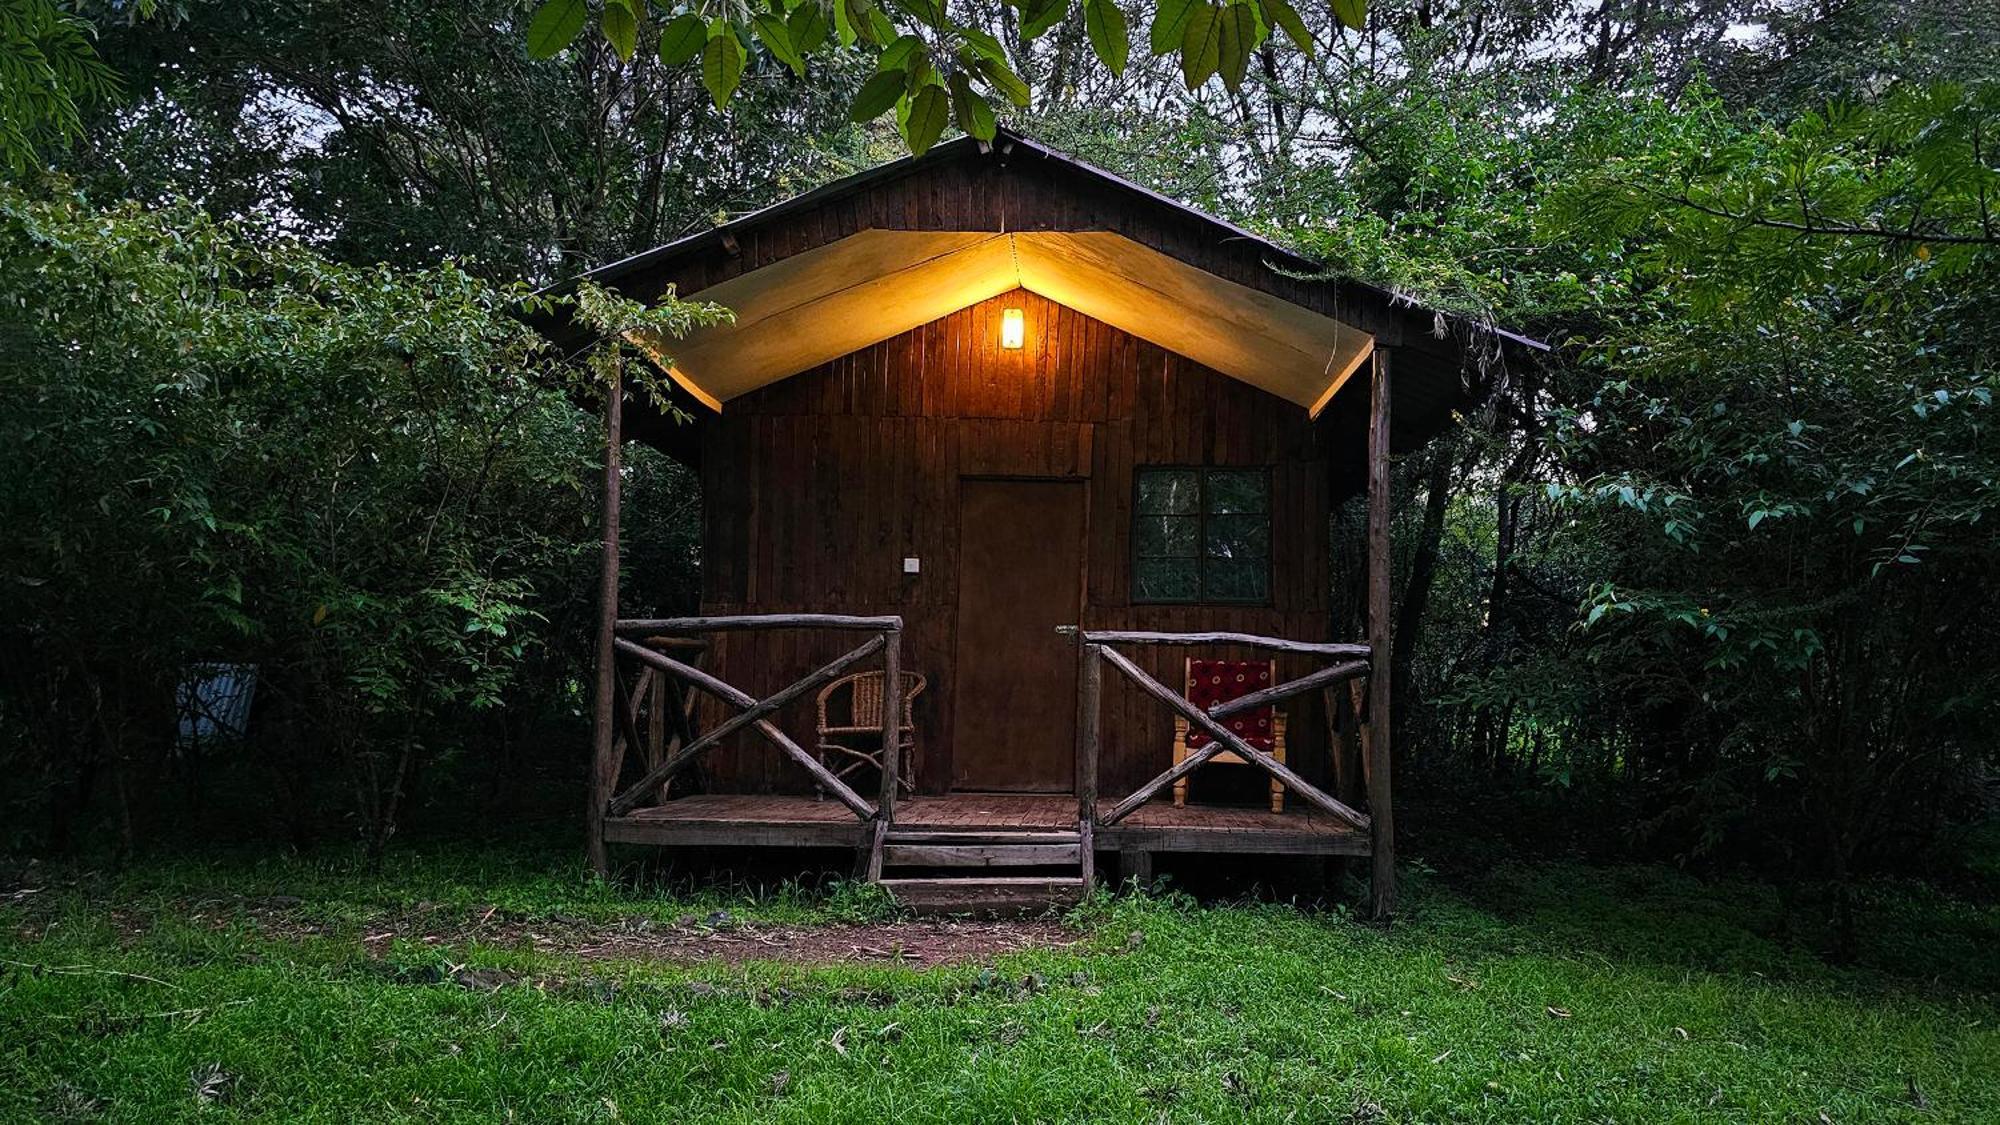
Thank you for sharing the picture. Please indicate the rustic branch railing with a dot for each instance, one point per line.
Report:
(675, 744)
(1096, 651)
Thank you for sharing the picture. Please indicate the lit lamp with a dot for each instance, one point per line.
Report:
(1013, 328)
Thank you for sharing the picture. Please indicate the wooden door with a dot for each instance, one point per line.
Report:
(1020, 574)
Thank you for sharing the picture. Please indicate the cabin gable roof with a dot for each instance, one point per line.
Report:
(875, 284)
(872, 255)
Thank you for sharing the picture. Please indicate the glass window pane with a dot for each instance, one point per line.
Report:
(1239, 537)
(1239, 490)
(1166, 580)
(1169, 492)
(1163, 536)
(1236, 580)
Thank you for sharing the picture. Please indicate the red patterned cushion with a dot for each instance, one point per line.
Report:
(1216, 681)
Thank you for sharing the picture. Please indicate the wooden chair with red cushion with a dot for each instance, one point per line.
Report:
(1210, 682)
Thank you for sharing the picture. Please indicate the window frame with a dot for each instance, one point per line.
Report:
(1202, 514)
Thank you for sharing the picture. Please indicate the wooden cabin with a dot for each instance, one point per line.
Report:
(998, 451)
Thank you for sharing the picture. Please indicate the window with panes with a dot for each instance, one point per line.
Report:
(1202, 535)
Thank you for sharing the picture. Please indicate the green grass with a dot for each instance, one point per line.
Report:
(1544, 994)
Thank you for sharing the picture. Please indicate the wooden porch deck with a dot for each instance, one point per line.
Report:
(713, 820)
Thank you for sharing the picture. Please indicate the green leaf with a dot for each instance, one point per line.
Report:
(1038, 16)
(1005, 81)
(983, 44)
(1170, 25)
(1280, 14)
(621, 28)
(930, 108)
(1353, 13)
(1236, 28)
(555, 26)
(971, 111)
(1201, 45)
(777, 39)
(878, 95)
(928, 12)
(722, 64)
(809, 27)
(897, 55)
(681, 40)
(843, 24)
(877, 28)
(1105, 21)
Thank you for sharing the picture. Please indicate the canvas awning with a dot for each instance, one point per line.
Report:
(801, 311)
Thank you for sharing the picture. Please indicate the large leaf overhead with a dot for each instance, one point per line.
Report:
(555, 25)
(681, 40)
(972, 112)
(621, 28)
(930, 109)
(922, 44)
(1169, 25)
(1201, 44)
(722, 60)
(879, 94)
(1104, 21)
(1236, 36)
(777, 39)
(1280, 13)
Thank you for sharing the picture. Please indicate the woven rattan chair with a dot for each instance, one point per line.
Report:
(850, 712)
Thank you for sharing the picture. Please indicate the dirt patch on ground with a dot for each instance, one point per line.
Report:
(690, 939)
(915, 943)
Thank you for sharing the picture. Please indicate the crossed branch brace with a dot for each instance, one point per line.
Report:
(754, 714)
(1222, 738)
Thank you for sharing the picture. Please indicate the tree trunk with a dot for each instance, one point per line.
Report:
(389, 805)
(1416, 595)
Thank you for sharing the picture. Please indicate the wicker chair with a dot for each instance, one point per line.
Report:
(850, 710)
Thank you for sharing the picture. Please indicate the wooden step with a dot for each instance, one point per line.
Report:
(981, 854)
(988, 894)
(979, 836)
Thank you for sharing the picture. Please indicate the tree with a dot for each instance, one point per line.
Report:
(405, 132)
(1791, 448)
(368, 485)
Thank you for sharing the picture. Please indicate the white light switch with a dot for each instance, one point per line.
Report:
(911, 566)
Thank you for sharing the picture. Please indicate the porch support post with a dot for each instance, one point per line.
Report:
(1381, 822)
(1089, 689)
(892, 723)
(603, 766)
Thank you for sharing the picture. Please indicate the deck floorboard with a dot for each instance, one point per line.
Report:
(803, 821)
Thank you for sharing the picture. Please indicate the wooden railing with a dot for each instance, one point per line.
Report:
(659, 684)
(1096, 651)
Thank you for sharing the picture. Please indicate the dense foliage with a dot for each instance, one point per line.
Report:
(47, 68)
(1792, 450)
(370, 486)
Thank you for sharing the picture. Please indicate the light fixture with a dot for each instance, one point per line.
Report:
(1013, 328)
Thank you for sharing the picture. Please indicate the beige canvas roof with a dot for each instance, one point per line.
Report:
(804, 310)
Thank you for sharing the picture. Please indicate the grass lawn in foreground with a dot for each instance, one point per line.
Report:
(300, 990)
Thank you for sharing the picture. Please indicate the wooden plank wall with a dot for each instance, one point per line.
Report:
(819, 486)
